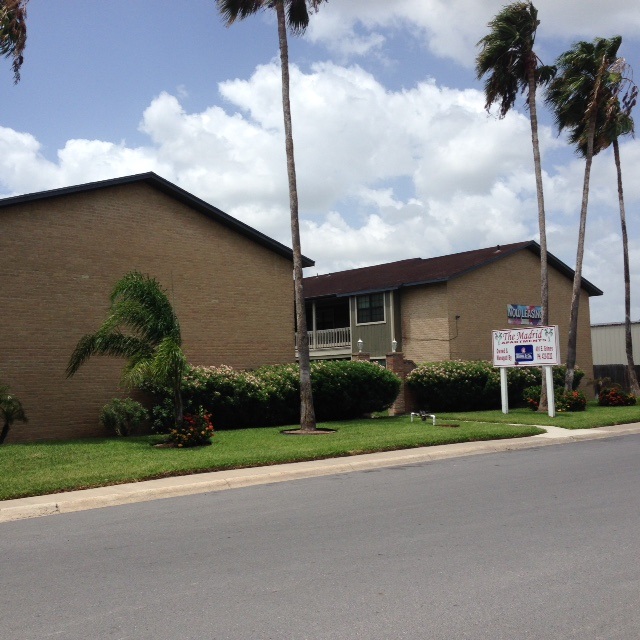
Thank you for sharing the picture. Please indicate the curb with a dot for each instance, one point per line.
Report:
(37, 506)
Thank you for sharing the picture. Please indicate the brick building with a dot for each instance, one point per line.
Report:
(62, 251)
(440, 308)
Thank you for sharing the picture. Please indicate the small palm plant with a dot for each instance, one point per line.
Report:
(10, 411)
(143, 328)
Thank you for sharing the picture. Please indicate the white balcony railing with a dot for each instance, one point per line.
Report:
(329, 338)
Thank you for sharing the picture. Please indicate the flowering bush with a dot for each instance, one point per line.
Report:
(570, 400)
(531, 396)
(615, 397)
(196, 430)
(565, 401)
(456, 385)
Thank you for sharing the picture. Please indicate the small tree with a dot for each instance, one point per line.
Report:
(152, 343)
(10, 411)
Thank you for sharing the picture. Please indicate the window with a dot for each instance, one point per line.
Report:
(370, 308)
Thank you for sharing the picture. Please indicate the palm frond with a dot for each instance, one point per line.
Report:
(507, 57)
(586, 91)
(139, 302)
(297, 11)
(13, 33)
(232, 10)
(140, 307)
(169, 361)
(297, 16)
(106, 344)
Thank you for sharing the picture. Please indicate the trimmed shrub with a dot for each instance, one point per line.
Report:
(615, 397)
(345, 389)
(457, 385)
(270, 395)
(123, 416)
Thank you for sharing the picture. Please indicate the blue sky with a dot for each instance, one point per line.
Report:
(396, 156)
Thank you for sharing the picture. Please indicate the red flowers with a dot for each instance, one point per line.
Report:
(615, 397)
(196, 430)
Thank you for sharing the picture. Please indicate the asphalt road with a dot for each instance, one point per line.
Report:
(532, 544)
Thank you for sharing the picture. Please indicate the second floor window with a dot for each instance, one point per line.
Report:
(370, 308)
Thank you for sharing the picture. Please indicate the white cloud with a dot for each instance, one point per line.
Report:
(451, 28)
(383, 175)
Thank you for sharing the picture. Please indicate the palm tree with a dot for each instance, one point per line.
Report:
(10, 411)
(511, 65)
(152, 343)
(13, 33)
(294, 15)
(614, 120)
(576, 97)
(631, 368)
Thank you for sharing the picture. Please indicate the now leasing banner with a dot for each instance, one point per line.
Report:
(524, 314)
(530, 347)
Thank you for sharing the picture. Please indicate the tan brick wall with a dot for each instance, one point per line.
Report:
(425, 323)
(431, 332)
(480, 298)
(59, 260)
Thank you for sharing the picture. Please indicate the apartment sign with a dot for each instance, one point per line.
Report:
(535, 347)
(524, 314)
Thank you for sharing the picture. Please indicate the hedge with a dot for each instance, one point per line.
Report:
(270, 396)
(457, 385)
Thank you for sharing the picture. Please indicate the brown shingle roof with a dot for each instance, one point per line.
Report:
(416, 271)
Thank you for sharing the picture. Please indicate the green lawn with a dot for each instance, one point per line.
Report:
(40, 468)
(50, 467)
(594, 416)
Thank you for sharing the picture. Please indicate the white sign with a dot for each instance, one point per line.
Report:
(530, 347)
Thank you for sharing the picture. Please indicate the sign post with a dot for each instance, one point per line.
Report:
(531, 347)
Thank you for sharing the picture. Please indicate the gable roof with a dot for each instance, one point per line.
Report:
(173, 191)
(419, 271)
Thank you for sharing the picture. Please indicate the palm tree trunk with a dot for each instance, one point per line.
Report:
(307, 413)
(633, 378)
(544, 273)
(592, 114)
(577, 279)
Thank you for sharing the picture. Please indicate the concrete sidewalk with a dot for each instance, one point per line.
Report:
(218, 480)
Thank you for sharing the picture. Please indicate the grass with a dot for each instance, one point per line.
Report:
(50, 467)
(594, 416)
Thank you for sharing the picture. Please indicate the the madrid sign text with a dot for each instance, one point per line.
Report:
(530, 347)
